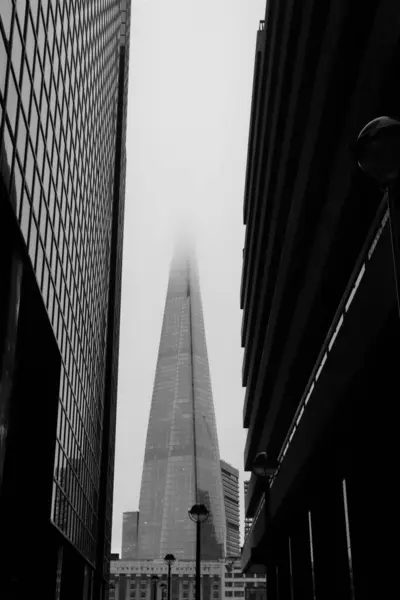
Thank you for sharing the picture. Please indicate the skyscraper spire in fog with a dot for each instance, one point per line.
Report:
(181, 463)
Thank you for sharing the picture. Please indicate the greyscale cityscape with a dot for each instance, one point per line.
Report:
(102, 150)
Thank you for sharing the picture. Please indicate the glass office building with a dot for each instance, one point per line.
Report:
(63, 98)
(181, 462)
(130, 525)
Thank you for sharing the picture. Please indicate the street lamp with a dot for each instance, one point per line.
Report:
(154, 579)
(169, 559)
(377, 152)
(265, 468)
(198, 514)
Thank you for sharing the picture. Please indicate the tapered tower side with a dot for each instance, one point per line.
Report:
(181, 463)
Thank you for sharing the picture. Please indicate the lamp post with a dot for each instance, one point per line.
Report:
(169, 559)
(265, 468)
(377, 152)
(198, 514)
(154, 579)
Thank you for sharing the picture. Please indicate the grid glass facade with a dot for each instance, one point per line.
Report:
(60, 91)
(181, 463)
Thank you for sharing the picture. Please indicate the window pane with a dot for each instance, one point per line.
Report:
(5, 16)
(12, 102)
(21, 139)
(33, 124)
(3, 65)
(16, 53)
(8, 146)
(25, 216)
(26, 91)
(17, 187)
(21, 6)
(29, 168)
(34, 4)
(32, 241)
(30, 44)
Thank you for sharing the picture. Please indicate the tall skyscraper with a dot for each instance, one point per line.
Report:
(63, 100)
(181, 462)
(130, 525)
(230, 483)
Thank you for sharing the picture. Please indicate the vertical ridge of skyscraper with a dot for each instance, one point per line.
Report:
(181, 463)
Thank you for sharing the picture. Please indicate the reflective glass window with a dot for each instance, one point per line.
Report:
(41, 39)
(17, 185)
(29, 166)
(34, 5)
(30, 44)
(43, 221)
(32, 241)
(47, 70)
(44, 111)
(3, 66)
(21, 7)
(21, 138)
(16, 53)
(36, 193)
(12, 102)
(38, 81)
(33, 124)
(25, 215)
(5, 16)
(40, 150)
(26, 91)
(50, 34)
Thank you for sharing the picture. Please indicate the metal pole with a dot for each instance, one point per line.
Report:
(394, 219)
(198, 595)
(271, 572)
(266, 511)
(169, 581)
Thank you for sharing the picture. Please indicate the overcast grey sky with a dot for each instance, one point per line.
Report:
(190, 83)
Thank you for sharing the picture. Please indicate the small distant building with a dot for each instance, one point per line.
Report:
(130, 526)
(240, 586)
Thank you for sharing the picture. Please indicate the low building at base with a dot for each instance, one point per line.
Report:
(240, 586)
(146, 579)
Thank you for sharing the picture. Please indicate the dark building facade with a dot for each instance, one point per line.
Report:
(181, 462)
(130, 530)
(247, 520)
(320, 324)
(63, 101)
(230, 484)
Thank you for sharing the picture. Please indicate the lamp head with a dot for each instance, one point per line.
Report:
(377, 150)
(264, 466)
(169, 559)
(199, 513)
